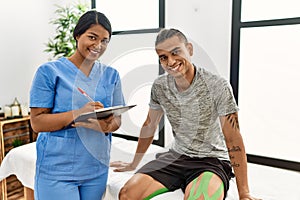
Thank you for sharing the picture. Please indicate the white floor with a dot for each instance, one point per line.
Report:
(271, 183)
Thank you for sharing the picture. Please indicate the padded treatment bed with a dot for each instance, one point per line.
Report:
(265, 182)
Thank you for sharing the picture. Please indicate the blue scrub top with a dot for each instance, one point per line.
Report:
(74, 153)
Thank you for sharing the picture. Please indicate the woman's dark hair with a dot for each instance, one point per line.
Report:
(90, 18)
(168, 33)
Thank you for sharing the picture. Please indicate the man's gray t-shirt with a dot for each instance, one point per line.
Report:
(194, 113)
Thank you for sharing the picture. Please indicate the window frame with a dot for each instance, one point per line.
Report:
(161, 24)
(237, 25)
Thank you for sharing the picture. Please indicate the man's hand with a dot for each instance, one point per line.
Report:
(121, 166)
(248, 197)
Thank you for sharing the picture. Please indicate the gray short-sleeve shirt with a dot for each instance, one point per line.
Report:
(194, 113)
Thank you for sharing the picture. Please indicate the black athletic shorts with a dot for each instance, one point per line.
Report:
(177, 171)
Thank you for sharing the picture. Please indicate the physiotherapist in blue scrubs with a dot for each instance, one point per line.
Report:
(73, 161)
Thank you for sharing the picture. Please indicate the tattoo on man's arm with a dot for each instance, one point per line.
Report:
(234, 149)
(231, 156)
(234, 164)
(233, 120)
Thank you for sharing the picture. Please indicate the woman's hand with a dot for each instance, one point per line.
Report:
(106, 125)
(101, 125)
(121, 166)
(90, 107)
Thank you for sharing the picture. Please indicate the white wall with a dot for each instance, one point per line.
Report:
(24, 31)
(207, 23)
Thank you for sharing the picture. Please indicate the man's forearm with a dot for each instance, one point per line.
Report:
(238, 160)
(142, 147)
(236, 150)
(146, 135)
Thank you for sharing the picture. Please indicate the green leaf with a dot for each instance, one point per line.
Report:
(63, 43)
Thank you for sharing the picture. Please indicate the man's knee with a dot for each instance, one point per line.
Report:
(141, 186)
(129, 191)
(206, 186)
(123, 194)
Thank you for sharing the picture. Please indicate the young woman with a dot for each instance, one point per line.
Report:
(72, 161)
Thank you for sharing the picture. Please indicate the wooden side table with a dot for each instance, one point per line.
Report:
(14, 132)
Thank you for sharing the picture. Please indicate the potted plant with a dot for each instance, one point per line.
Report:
(17, 143)
(63, 43)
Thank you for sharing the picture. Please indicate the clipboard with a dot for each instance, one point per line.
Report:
(103, 113)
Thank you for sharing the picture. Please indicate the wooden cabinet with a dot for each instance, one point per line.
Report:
(13, 133)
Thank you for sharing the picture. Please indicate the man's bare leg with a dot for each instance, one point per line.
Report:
(207, 186)
(141, 186)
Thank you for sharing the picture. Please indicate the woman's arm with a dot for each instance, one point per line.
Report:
(42, 120)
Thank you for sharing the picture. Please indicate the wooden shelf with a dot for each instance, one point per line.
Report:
(14, 132)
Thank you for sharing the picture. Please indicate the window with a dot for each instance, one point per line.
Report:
(137, 64)
(254, 10)
(264, 75)
(268, 92)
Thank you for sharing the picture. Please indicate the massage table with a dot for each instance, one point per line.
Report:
(265, 182)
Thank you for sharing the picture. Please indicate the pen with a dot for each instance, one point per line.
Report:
(88, 97)
(85, 94)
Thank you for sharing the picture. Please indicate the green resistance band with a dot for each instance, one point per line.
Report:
(157, 192)
(203, 188)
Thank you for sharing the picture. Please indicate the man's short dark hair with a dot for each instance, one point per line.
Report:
(168, 33)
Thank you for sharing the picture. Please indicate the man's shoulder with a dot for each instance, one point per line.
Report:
(161, 79)
(207, 73)
(211, 78)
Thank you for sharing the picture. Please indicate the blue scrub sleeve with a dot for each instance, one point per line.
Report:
(118, 98)
(43, 88)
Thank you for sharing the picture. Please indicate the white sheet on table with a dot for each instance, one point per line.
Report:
(265, 182)
(124, 150)
(20, 161)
